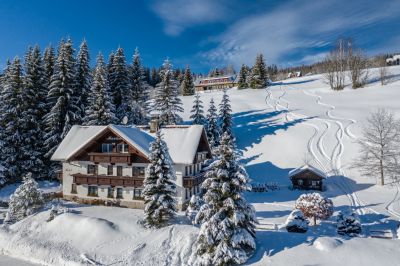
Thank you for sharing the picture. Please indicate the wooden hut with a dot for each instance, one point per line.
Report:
(307, 178)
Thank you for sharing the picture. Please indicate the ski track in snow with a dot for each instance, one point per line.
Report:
(316, 147)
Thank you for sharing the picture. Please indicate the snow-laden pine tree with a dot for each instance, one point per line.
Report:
(225, 116)
(48, 65)
(159, 188)
(100, 109)
(26, 200)
(11, 137)
(65, 111)
(243, 77)
(212, 128)
(258, 76)
(139, 92)
(348, 224)
(119, 83)
(227, 232)
(187, 85)
(167, 102)
(83, 76)
(154, 77)
(33, 98)
(197, 113)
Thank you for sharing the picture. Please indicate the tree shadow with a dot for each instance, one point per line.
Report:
(251, 126)
(294, 82)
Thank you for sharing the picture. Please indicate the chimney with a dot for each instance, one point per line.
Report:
(154, 124)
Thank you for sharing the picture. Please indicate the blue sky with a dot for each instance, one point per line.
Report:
(203, 34)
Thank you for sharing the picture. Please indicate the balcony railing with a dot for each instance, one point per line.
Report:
(124, 181)
(192, 181)
(110, 157)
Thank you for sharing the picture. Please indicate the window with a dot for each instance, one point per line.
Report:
(137, 193)
(106, 147)
(314, 183)
(110, 192)
(73, 189)
(110, 170)
(123, 148)
(119, 170)
(92, 169)
(138, 171)
(119, 193)
(186, 193)
(92, 191)
(300, 182)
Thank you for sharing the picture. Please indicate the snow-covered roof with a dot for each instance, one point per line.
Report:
(134, 136)
(182, 141)
(307, 167)
(76, 138)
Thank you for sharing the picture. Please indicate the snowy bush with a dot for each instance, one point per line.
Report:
(315, 206)
(193, 207)
(348, 224)
(26, 200)
(296, 222)
(55, 211)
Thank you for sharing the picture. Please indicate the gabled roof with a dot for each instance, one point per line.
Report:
(182, 141)
(76, 138)
(307, 167)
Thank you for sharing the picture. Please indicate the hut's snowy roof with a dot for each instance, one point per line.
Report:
(182, 141)
(307, 167)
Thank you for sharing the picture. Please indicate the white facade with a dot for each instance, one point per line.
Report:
(82, 179)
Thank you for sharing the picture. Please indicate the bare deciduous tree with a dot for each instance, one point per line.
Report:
(379, 146)
(358, 66)
(335, 65)
(383, 70)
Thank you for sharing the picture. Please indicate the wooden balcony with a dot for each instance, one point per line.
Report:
(104, 180)
(191, 181)
(110, 157)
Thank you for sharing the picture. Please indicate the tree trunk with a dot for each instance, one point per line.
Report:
(382, 177)
(315, 220)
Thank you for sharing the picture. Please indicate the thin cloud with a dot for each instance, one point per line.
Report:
(295, 28)
(181, 14)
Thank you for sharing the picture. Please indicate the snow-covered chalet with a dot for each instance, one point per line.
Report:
(106, 164)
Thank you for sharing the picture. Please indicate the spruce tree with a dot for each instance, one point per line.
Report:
(10, 113)
(33, 99)
(197, 111)
(243, 77)
(65, 111)
(26, 200)
(154, 77)
(167, 101)
(100, 109)
(139, 92)
(83, 77)
(48, 65)
(187, 85)
(159, 189)
(212, 128)
(258, 75)
(225, 115)
(227, 232)
(118, 82)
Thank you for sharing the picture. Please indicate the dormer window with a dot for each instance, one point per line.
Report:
(122, 148)
(106, 147)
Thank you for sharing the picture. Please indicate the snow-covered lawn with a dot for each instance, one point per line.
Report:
(277, 130)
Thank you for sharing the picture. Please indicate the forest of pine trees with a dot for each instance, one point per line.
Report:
(47, 93)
